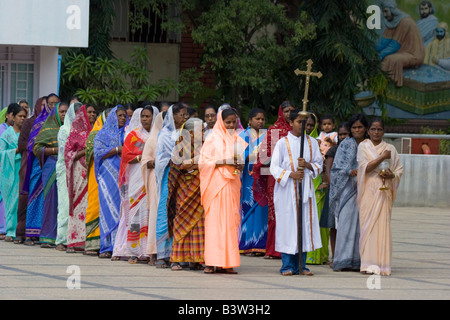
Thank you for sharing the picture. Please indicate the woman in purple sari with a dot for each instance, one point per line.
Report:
(23, 194)
(33, 176)
(46, 150)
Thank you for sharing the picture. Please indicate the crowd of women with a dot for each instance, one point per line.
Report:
(159, 185)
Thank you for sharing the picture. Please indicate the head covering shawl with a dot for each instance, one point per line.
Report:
(35, 128)
(76, 141)
(280, 129)
(90, 140)
(149, 152)
(165, 144)
(108, 138)
(221, 144)
(135, 138)
(48, 135)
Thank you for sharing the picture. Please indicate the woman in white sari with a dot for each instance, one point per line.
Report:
(131, 239)
(375, 204)
(148, 173)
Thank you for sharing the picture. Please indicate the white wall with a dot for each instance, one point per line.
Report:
(48, 71)
(425, 181)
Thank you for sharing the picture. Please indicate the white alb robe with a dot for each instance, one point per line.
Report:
(285, 200)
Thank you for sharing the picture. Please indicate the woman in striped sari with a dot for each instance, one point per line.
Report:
(10, 159)
(76, 171)
(46, 150)
(107, 153)
(92, 241)
(131, 239)
(175, 117)
(185, 212)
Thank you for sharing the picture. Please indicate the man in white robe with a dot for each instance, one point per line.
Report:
(284, 164)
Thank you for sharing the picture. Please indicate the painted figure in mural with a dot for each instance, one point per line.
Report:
(439, 49)
(427, 22)
(401, 44)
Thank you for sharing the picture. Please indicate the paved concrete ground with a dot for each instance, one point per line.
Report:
(420, 270)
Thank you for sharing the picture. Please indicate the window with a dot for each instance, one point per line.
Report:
(150, 30)
(17, 74)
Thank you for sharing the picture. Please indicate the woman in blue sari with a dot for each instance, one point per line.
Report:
(10, 159)
(46, 150)
(6, 120)
(343, 197)
(254, 218)
(107, 156)
(33, 177)
(176, 116)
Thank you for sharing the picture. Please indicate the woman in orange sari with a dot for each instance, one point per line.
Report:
(379, 165)
(220, 193)
(92, 240)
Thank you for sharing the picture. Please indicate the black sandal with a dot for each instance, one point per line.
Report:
(105, 255)
(28, 242)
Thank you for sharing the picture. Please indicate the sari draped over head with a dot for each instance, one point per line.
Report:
(3, 115)
(253, 231)
(92, 241)
(48, 138)
(148, 174)
(9, 182)
(220, 194)
(61, 180)
(263, 181)
(342, 204)
(131, 239)
(107, 174)
(22, 146)
(77, 182)
(33, 179)
(375, 207)
(164, 150)
(3, 127)
(184, 209)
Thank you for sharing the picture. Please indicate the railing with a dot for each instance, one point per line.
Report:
(417, 135)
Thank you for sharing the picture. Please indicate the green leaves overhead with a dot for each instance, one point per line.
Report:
(107, 82)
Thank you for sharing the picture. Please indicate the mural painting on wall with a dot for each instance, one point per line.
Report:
(414, 50)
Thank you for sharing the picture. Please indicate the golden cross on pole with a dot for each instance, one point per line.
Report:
(303, 115)
(308, 73)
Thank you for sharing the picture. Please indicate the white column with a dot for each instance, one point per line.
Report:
(48, 71)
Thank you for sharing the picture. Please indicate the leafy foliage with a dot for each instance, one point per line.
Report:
(247, 43)
(344, 51)
(108, 82)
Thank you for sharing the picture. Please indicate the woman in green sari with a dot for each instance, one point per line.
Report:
(46, 150)
(319, 256)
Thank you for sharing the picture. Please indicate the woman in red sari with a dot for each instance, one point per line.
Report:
(131, 238)
(263, 181)
(76, 175)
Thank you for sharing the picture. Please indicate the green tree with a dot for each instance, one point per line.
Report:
(344, 51)
(246, 43)
(101, 16)
(107, 81)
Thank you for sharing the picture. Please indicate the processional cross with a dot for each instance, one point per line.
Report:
(308, 73)
(304, 116)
